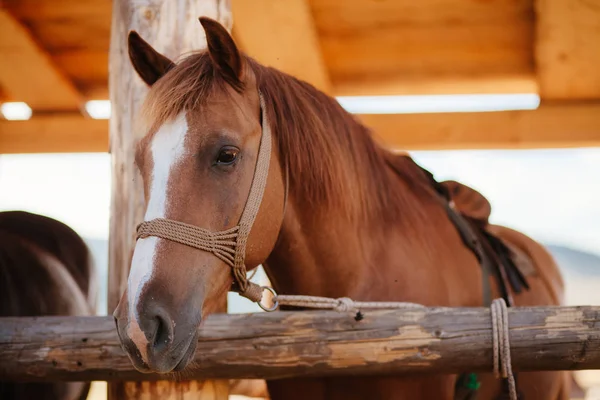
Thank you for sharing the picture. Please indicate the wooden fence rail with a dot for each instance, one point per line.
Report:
(311, 343)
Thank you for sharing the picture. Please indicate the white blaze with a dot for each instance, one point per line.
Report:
(167, 149)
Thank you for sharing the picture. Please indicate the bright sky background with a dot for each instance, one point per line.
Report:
(73, 188)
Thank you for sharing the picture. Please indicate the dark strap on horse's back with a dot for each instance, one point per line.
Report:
(495, 259)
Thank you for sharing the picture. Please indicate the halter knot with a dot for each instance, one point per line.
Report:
(252, 292)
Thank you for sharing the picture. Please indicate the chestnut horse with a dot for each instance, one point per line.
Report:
(340, 216)
(45, 269)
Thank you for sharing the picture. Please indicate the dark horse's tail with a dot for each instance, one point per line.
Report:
(45, 269)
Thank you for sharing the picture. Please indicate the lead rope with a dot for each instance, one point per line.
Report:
(498, 314)
(501, 345)
(343, 304)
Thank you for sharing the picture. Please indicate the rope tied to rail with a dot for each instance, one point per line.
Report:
(501, 345)
(342, 304)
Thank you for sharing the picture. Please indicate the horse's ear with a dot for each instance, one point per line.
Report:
(223, 51)
(148, 63)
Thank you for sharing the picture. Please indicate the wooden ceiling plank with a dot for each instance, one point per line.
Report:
(281, 35)
(36, 10)
(27, 72)
(66, 133)
(86, 68)
(425, 42)
(567, 49)
(550, 126)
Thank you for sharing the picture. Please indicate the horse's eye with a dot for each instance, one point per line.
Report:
(227, 155)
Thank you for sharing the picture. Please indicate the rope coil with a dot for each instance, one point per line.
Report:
(501, 345)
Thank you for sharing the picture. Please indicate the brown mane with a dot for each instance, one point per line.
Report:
(329, 153)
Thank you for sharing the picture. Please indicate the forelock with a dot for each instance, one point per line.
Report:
(187, 86)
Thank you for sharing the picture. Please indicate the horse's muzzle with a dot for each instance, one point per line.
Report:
(152, 338)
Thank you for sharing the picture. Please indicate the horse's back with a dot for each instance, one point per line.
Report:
(57, 239)
(534, 260)
(35, 281)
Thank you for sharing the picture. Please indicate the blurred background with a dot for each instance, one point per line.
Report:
(502, 95)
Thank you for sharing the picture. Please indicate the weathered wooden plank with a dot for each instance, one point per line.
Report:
(312, 343)
(567, 49)
(551, 125)
(172, 27)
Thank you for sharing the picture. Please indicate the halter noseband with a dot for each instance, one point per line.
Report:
(229, 245)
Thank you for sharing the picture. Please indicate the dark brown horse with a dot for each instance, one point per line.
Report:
(45, 269)
(340, 216)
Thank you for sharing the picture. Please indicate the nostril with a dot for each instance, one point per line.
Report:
(158, 329)
(164, 334)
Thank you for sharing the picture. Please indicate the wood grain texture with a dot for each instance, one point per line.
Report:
(551, 125)
(172, 28)
(281, 34)
(63, 133)
(312, 343)
(568, 48)
(424, 42)
(363, 47)
(27, 72)
(75, 34)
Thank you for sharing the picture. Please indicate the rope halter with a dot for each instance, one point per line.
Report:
(229, 245)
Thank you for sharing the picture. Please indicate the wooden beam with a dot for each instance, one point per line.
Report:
(28, 74)
(567, 49)
(399, 85)
(172, 28)
(281, 34)
(64, 133)
(312, 343)
(551, 125)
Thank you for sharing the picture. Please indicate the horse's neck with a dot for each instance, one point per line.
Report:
(324, 254)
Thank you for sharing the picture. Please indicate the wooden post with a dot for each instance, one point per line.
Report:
(171, 27)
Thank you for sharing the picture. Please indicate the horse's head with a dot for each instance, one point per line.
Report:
(200, 163)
